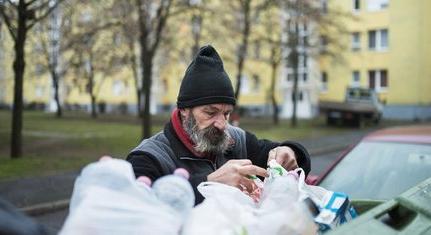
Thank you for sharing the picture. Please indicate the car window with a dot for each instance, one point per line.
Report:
(380, 170)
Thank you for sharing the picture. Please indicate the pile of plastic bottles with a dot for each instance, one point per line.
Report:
(107, 199)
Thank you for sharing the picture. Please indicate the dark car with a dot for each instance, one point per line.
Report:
(382, 165)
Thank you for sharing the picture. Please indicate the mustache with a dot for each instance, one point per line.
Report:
(212, 130)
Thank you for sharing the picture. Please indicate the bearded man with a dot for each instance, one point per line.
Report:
(200, 139)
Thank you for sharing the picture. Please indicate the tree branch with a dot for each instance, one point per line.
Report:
(38, 7)
(164, 14)
(31, 2)
(11, 28)
(49, 10)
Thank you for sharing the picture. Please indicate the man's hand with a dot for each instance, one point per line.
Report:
(284, 156)
(235, 173)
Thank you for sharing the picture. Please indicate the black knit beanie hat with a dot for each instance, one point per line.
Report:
(205, 81)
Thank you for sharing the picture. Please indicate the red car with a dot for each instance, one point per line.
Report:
(382, 165)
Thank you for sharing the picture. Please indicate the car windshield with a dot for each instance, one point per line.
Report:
(380, 170)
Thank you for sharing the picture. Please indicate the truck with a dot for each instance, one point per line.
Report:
(360, 105)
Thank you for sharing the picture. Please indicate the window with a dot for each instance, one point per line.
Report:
(256, 82)
(377, 5)
(290, 77)
(383, 38)
(324, 81)
(116, 39)
(257, 50)
(39, 69)
(356, 79)
(378, 39)
(118, 88)
(323, 43)
(356, 5)
(303, 61)
(372, 39)
(39, 91)
(324, 5)
(378, 80)
(299, 95)
(356, 41)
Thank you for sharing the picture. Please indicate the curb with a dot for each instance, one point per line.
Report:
(49, 207)
(44, 208)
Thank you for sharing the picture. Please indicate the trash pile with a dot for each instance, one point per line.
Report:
(107, 199)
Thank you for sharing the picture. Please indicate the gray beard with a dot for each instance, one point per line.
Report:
(208, 140)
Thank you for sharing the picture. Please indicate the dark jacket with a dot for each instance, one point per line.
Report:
(164, 152)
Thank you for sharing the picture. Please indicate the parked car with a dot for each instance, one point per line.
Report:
(360, 105)
(382, 165)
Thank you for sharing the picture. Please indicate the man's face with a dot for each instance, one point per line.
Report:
(206, 126)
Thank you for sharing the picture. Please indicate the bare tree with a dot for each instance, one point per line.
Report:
(20, 16)
(91, 56)
(124, 11)
(55, 40)
(307, 20)
(153, 16)
(246, 12)
(245, 22)
(270, 36)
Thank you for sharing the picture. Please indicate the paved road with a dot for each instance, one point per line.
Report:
(54, 221)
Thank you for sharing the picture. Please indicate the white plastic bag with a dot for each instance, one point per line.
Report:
(108, 200)
(227, 210)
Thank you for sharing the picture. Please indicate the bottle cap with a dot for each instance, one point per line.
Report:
(182, 172)
(145, 180)
(104, 158)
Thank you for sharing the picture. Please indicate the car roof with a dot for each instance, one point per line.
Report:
(419, 134)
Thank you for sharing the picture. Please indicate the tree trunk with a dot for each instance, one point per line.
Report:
(238, 77)
(134, 66)
(295, 86)
(18, 67)
(273, 99)
(146, 82)
(243, 48)
(55, 80)
(92, 95)
(93, 106)
(196, 31)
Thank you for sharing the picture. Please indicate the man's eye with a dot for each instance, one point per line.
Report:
(211, 113)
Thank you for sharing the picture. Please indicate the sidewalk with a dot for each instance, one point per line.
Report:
(40, 195)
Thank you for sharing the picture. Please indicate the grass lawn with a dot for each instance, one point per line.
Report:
(52, 145)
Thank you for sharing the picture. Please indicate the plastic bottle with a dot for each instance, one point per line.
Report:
(176, 191)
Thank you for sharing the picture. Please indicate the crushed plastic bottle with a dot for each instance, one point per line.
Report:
(175, 191)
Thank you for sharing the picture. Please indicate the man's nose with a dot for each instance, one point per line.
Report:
(220, 122)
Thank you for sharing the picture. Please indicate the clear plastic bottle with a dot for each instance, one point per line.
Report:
(176, 191)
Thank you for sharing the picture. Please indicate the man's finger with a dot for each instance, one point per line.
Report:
(241, 162)
(290, 164)
(272, 154)
(253, 170)
(246, 184)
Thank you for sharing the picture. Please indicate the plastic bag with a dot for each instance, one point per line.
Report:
(108, 200)
(225, 210)
(233, 212)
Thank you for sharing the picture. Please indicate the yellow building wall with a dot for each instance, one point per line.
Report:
(407, 58)
(36, 85)
(425, 60)
(405, 44)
